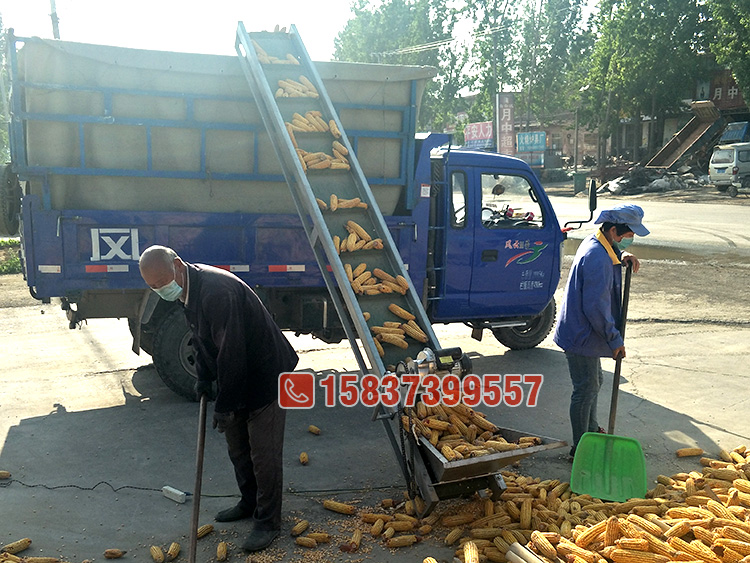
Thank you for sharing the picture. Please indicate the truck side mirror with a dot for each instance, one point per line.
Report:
(592, 195)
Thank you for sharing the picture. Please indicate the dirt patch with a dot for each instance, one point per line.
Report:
(15, 293)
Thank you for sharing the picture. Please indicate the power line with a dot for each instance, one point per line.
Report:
(439, 43)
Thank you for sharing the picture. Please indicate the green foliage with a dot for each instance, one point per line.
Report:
(10, 263)
(10, 243)
(731, 38)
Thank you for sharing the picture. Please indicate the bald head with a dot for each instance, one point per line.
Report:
(160, 265)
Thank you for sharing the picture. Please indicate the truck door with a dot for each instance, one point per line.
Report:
(454, 263)
(516, 254)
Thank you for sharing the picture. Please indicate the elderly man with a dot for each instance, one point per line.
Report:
(589, 324)
(240, 347)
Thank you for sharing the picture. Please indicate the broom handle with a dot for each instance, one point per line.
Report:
(618, 361)
(198, 479)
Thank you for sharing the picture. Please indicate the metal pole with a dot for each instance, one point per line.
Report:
(198, 479)
(575, 149)
(55, 21)
(618, 361)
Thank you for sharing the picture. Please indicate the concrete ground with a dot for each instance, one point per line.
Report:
(90, 434)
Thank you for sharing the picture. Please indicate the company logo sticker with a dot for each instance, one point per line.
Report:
(527, 256)
(297, 390)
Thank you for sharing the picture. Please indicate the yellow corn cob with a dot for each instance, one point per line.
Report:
(304, 458)
(611, 531)
(393, 286)
(637, 544)
(337, 243)
(205, 530)
(387, 330)
(320, 165)
(377, 527)
(304, 80)
(376, 244)
(687, 452)
(401, 541)
(424, 529)
(641, 522)
(379, 348)
(401, 280)
(351, 242)
(543, 545)
(416, 334)
(114, 553)
(4, 474)
(221, 551)
(334, 129)
(258, 49)
(322, 204)
(300, 527)
(371, 517)
(356, 539)
(429, 560)
(359, 244)
(173, 551)
(590, 534)
(456, 520)
(394, 340)
(340, 157)
(400, 525)
(156, 554)
(359, 270)
(678, 530)
(378, 273)
(312, 429)
(436, 424)
(4, 557)
(471, 553)
(319, 537)
(339, 507)
(334, 202)
(632, 556)
(448, 453)
(399, 312)
(355, 227)
(389, 533)
(735, 533)
(292, 59)
(341, 148)
(16, 546)
(306, 541)
(525, 518)
(349, 203)
(453, 536)
(40, 560)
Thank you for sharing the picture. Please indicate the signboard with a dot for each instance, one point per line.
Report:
(478, 135)
(724, 93)
(533, 159)
(506, 119)
(532, 141)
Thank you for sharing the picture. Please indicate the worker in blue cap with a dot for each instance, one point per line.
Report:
(588, 326)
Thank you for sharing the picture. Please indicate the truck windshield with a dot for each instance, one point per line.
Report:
(722, 156)
(509, 202)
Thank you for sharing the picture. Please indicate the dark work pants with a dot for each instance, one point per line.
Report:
(586, 375)
(256, 443)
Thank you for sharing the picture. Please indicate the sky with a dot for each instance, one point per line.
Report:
(172, 25)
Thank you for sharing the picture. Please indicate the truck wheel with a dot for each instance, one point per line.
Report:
(10, 202)
(528, 336)
(173, 354)
(722, 188)
(732, 191)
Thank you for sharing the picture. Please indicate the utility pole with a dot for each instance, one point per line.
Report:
(55, 21)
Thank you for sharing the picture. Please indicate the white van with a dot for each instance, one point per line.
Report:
(729, 168)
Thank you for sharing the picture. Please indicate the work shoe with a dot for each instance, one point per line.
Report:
(259, 539)
(237, 512)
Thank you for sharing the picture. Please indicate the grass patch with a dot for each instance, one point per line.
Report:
(10, 263)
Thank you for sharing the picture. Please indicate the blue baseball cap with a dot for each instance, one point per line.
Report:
(625, 214)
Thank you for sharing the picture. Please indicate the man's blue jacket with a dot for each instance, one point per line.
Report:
(589, 320)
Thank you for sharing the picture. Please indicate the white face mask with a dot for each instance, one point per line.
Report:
(169, 292)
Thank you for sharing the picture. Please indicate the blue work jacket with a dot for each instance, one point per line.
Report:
(589, 320)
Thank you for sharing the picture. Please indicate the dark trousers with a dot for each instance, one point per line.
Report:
(586, 375)
(256, 443)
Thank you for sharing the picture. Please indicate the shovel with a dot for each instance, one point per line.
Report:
(606, 466)
(198, 479)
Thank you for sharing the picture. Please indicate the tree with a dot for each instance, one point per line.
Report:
(416, 32)
(731, 38)
(4, 148)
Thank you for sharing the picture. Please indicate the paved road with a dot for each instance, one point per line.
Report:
(678, 229)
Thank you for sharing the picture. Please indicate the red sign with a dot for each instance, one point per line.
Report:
(478, 135)
(725, 94)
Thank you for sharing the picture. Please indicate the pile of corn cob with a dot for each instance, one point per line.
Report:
(460, 432)
(358, 238)
(265, 58)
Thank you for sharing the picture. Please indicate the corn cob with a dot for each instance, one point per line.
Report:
(4, 474)
(456, 520)
(16, 546)
(377, 527)
(339, 507)
(400, 525)
(399, 312)
(114, 553)
(453, 536)
(401, 280)
(424, 529)
(320, 165)
(312, 429)
(401, 541)
(678, 530)
(389, 533)
(394, 339)
(349, 203)
(417, 334)
(156, 554)
(222, 551)
(378, 273)
(429, 560)
(387, 330)
(355, 227)
(743, 548)
(687, 452)
(309, 85)
(319, 537)
(393, 286)
(355, 540)
(351, 242)
(371, 517)
(471, 553)
(341, 148)
(379, 348)
(205, 530)
(637, 544)
(334, 129)
(543, 545)
(4, 557)
(40, 560)
(306, 541)
(733, 533)
(173, 551)
(304, 458)
(631, 556)
(337, 243)
(299, 527)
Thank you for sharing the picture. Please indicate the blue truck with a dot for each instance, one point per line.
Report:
(115, 149)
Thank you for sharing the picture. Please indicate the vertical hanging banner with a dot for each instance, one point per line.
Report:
(505, 123)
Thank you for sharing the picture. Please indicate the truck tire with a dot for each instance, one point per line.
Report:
(10, 203)
(173, 355)
(530, 335)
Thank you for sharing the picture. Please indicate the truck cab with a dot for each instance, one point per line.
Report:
(497, 256)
